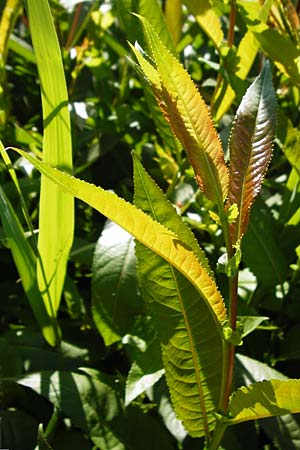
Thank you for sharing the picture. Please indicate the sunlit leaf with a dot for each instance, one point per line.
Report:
(184, 323)
(188, 116)
(207, 18)
(56, 228)
(153, 235)
(265, 399)
(250, 147)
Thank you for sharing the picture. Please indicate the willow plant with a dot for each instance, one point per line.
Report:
(198, 335)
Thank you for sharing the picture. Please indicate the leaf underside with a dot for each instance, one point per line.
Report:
(250, 147)
(187, 113)
(141, 226)
(192, 347)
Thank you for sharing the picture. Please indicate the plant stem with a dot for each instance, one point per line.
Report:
(230, 36)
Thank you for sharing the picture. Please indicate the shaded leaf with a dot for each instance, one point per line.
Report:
(260, 248)
(187, 114)
(250, 147)
(265, 399)
(114, 284)
(185, 326)
(140, 379)
(25, 261)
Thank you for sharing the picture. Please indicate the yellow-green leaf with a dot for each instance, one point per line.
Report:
(153, 235)
(56, 220)
(188, 116)
(265, 399)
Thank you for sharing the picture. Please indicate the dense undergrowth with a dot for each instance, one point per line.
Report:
(80, 361)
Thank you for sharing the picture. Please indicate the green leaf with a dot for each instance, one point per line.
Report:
(245, 56)
(173, 12)
(207, 18)
(144, 372)
(25, 261)
(115, 296)
(279, 48)
(250, 323)
(55, 228)
(260, 248)
(150, 233)
(187, 114)
(250, 147)
(185, 325)
(153, 11)
(265, 399)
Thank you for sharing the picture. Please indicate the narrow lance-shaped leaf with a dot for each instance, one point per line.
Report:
(250, 147)
(265, 399)
(207, 18)
(56, 221)
(150, 233)
(25, 261)
(192, 344)
(188, 116)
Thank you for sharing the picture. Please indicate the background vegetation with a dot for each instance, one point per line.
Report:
(103, 386)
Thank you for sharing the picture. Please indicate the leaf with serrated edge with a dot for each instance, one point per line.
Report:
(250, 147)
(189, 118)
(150, 233)
(265, 399)
(185, 325)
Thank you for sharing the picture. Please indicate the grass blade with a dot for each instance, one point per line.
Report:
(56, 222)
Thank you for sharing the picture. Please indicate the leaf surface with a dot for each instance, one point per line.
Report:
(25, 261)
(261, 250)
(192, 347)
(188, 116)
(115, 296)
(150, 233)
(265, 399)
(56, 221)
(207, 18)
(250, 147)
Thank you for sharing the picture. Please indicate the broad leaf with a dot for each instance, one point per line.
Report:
(188, 116)
(145, 371)
(265, 399)
(250, 147)
(192, 347)
(114, 284)
(150, 233)
(261, 250)
(56, 228)
(281, 429)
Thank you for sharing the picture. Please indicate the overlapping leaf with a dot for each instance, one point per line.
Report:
(250, 146)
(187, 114)
(150, 233)
(265, 399)
(191, 340)
(114, 284)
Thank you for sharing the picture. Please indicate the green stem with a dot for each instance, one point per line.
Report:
(217, 436)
